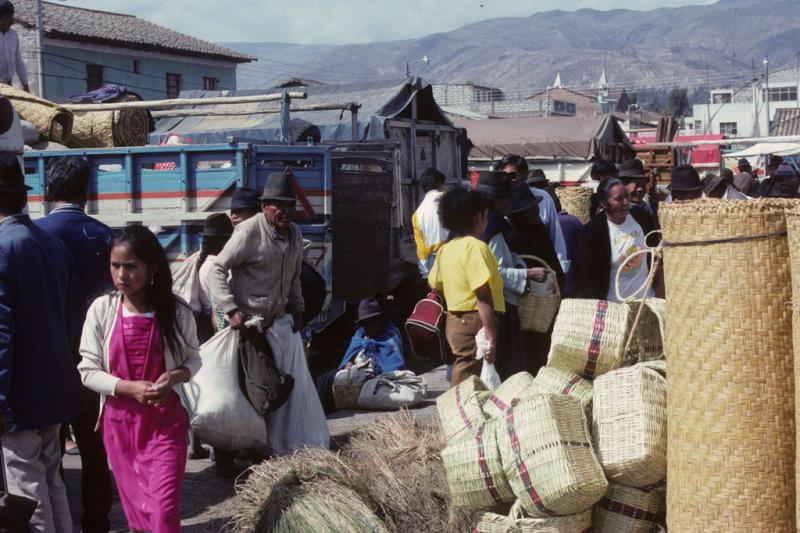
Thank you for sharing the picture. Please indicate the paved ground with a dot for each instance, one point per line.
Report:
(207, 499)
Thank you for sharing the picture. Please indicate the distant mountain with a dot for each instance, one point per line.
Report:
(666, 47)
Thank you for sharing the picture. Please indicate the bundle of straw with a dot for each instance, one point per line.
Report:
(53, 121)
(516, 386)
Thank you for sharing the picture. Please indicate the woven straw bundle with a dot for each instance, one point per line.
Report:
(109, 129)
(628, 510)
(793, 232)
(576, 201)
(517, 522)
(630, 425)
(548, 457)
(648, 337)
(474, 470)
(460, 407)
(730, 424)
(589, 337)
(53, 121)
(551, 380)
(517, 386)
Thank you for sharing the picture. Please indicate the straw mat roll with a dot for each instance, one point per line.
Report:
(53, 121)
(628, 510)
(730, 423)
(793, 231)
(460, 407)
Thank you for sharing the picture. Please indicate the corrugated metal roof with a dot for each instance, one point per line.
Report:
(786, 122)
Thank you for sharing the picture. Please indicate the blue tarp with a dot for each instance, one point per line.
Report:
(380, 101)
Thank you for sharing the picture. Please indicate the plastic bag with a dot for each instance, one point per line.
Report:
(393, 390)
(489, 374)
(223, 417)
(186, 282)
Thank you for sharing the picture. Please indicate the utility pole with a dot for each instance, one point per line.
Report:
(766, 91)
(39, 48)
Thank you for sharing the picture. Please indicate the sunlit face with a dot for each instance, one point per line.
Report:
(618, 204)
(240, 215)
(129, 273)
(279, 214)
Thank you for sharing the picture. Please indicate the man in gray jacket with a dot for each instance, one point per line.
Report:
(264, 257)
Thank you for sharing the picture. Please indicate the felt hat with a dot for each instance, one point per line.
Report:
(785, 170)
(244, 198)
(217, 225)
(685, 178)
(495, 183)
(279, 188)
(537, 177)
(711, 181)
(631, 169)
(6, 8)
(11, 177)
(743, 163)
(522, 199)
(369, 308)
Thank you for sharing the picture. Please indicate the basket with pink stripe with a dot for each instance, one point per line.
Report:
(460, 407)
(551, 380)
(548, 457)
(520, 385)
(629, 510)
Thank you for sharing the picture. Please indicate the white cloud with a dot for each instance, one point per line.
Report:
(340, 21)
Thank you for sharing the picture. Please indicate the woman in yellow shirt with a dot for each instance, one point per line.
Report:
(466, 272)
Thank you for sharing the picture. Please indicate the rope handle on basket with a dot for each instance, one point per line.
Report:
(514, 516)
(656, 367)
(546, 267)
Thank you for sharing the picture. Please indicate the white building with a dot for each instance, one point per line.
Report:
(743, 112)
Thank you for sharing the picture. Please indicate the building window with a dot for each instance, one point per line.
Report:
(173, 85)
(210, 84)
(94, 77)
(728, 128)
(782, 94)
(721, 98)
(136, 66)
(698, 125)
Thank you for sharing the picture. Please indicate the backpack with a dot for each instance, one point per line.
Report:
(425, 330)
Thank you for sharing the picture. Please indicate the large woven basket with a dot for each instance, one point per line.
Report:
(548, 456)
(793, 231)
(537, 311)
(460, 407)
(517, 522)
(589, 337)
(628, 510)
(629, 425)
(551, 380)
(576, 201)
(515, 387)
(730, 408)
(648, 337)
(346, 396)
(474, 469)
(53, 121)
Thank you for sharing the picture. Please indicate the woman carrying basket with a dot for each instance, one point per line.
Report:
(465, 271)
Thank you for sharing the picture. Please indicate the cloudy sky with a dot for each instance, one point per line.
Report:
(340, 21)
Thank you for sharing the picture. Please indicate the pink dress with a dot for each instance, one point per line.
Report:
(146, 444)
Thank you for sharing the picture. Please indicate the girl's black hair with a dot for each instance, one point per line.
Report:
(458, 208)
(158, 295)
(212, 245)
(604, 190)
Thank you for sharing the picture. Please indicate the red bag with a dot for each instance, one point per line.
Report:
(425, 330)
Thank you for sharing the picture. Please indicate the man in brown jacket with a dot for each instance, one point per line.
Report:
(264, 257)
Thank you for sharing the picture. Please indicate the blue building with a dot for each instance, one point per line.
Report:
(86, 48)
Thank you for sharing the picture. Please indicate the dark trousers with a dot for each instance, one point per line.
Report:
(95, 477)
(510, 357)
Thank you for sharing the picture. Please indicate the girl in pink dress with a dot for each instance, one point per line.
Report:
(139, 344)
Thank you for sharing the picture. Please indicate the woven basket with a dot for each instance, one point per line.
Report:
(474, 470)
(793, 231)
(589, 337)
(517, 522)
(460, 407)
(576, 201)
(648, 337)
(551, 380)
(628, 510)
(515, 387)
(629, 425)
(537, 311)
(730, 413)
(53, 121)
(548, 456)
(346, 396)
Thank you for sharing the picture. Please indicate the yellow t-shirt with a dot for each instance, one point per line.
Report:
(462, 266)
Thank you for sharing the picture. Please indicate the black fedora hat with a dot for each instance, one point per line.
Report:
(217, 225)
(279, 188)
(244, 198)
(685, 178)
(522, 199)
(495, 183)
(537, 177)
(11, 177)
(631, 169)
(369, 308)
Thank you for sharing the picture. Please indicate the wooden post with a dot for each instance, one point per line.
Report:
(163, 104)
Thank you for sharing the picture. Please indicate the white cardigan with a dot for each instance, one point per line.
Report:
(96, 337)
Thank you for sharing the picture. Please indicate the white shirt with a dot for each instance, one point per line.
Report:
(429, 235)
(549, 216)
(626, 239)
(11, 63)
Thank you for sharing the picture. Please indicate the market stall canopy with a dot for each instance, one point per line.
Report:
(567, 138)
(781, 149)
(703, 154)
(379, 101)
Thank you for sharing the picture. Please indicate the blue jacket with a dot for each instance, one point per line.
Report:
(385, 350)
(38, 378)
(88, 241)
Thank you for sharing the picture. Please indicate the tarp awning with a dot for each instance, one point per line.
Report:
(572, 138)
(781, 149)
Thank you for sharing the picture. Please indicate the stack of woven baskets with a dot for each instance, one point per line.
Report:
(580, 447)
